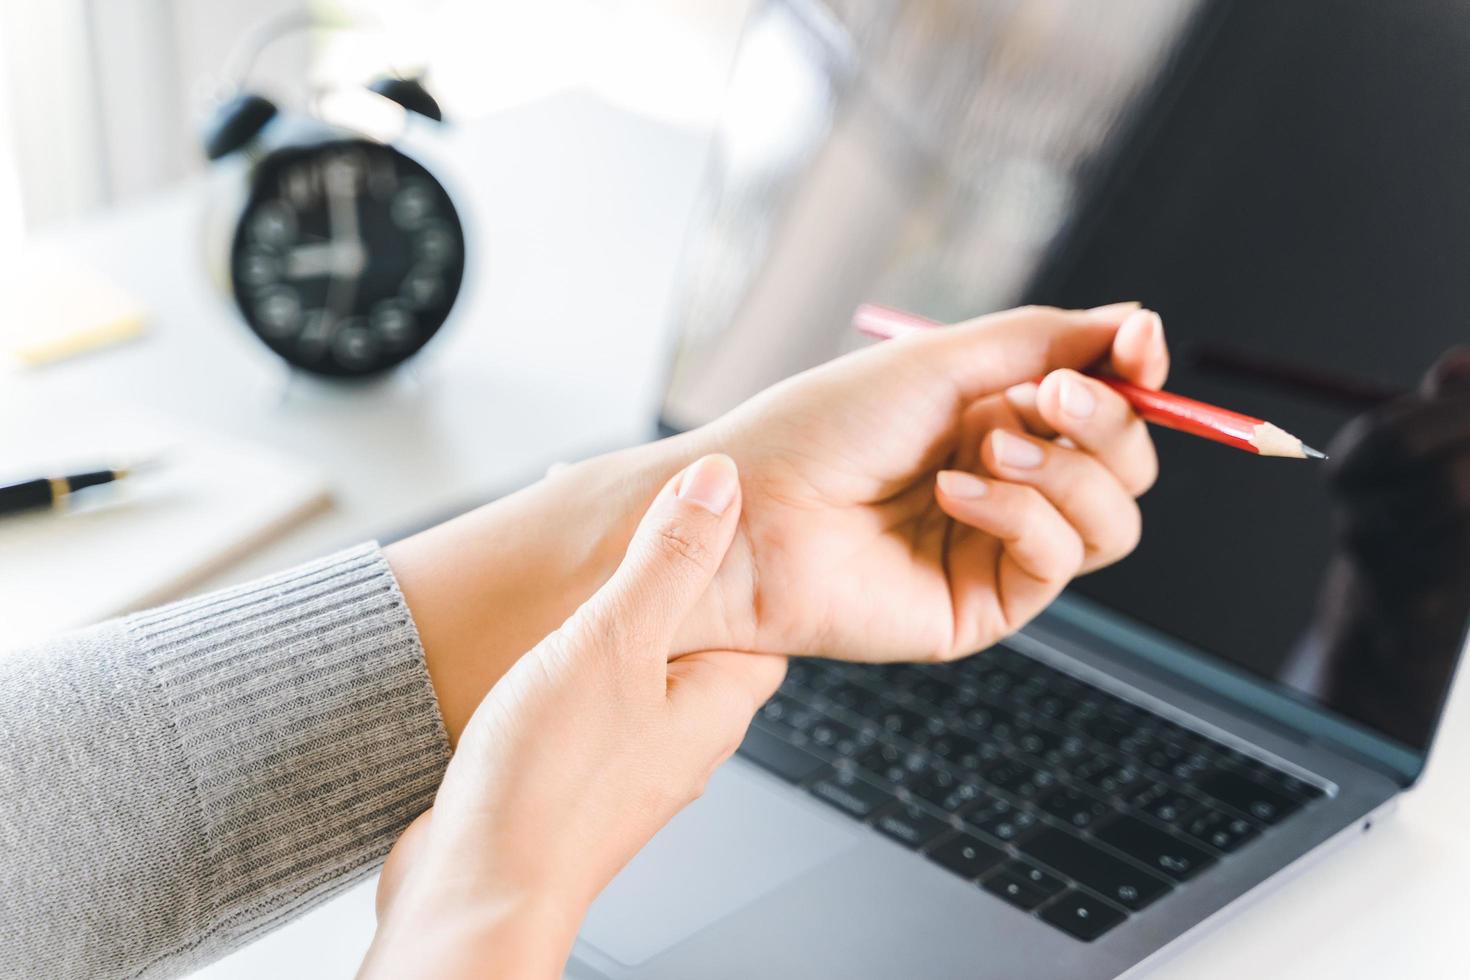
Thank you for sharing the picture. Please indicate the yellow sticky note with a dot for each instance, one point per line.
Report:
(59, 307)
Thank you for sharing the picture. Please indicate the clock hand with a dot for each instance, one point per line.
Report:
(332, 258)
(342, 203)
(343, 228)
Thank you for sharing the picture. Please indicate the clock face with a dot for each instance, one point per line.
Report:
(347, 258)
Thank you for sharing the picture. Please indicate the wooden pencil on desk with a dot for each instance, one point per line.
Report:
(1159, 407)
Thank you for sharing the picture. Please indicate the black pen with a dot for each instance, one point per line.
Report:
(52, 491)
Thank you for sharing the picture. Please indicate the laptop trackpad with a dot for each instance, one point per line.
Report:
(742, 839)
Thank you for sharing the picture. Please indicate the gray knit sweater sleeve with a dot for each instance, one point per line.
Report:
(176, 783)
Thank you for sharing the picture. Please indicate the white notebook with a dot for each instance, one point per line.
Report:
(145, 539)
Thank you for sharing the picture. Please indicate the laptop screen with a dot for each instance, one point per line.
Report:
(1306, 238)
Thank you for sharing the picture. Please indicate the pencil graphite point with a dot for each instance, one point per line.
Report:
(1271, 440)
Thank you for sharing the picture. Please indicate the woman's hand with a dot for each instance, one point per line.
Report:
(923, 498)
(581, 752)
(919, 499)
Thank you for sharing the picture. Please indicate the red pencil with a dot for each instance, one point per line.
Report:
(1159, 407)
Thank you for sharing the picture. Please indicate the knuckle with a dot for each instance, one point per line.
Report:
(1032, 502)
(1124, 532)
(1039, 309)
(1064, 550)
(610, 628)
(1133, 530)
(1148, 473)
(681, 543)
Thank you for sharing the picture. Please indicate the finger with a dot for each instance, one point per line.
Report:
(978, 418)
(1087, 495)
(675, 553)
(1100, 421)
(714, 694)
(999, 588)
(991, 353)
(1022, 400)
(1139, 353)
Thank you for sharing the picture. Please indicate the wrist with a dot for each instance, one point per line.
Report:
(624, 484)
(491, 584)
(526, 936)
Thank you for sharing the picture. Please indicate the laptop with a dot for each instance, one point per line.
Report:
(1243, 693)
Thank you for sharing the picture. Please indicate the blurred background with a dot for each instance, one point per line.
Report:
(239, 224)
(103, 101)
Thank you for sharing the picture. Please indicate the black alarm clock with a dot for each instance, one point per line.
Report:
(346, 254)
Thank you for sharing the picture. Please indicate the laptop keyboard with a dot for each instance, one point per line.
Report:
(1053, 795)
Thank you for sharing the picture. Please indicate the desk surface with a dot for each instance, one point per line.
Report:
(580, 212)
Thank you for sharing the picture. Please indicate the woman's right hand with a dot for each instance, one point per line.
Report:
(581, 752)
(925, 497)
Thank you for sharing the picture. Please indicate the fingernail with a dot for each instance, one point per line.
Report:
(1077, 399)
(1123, 307)
(1142, 330)
(1023, 395)
(962, 485)
(710, 482)
(1015, 451)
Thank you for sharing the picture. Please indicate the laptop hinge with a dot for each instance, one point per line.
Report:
(1076, 620)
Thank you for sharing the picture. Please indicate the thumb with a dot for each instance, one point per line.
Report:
(675, 553)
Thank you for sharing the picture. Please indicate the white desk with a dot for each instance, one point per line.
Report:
(580, 211)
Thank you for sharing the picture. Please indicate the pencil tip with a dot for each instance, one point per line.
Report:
(1311, 453)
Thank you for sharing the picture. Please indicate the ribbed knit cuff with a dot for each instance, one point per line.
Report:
(305, 713)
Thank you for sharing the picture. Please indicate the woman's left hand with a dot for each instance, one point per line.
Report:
(578, 755)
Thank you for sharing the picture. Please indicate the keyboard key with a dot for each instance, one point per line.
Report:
(1108, 730)
(945, 790)
(1246, 795)
(898, 720)
(1172, 808)
(1076, 858)
(1033, 876)
(1040, 743)
(855, 698)
(779, 757)
(831, 734)
(853, 796)
(1150, 846)
(1110, 778)
(910, 824)
(1082, 916)
(960, 750)
(1004, 822)
(1220, 830)
(1015, 889)
(777, 712)
(1018, 778)
(891, 764)
(966, 855)
(932, 690)
(1163, 756)
(1074, 808)
(987, 722)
